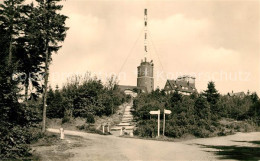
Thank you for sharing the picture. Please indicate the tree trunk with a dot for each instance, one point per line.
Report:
(46, 76)
(26, 84)
(10, 54)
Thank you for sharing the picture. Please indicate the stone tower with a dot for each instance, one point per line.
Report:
(145, 75)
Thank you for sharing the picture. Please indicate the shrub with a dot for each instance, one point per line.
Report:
(90, 118)
(14, 142)
(146, 128)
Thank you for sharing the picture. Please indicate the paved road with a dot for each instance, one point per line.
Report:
(100, 147)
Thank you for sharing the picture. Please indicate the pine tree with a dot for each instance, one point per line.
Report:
(10, 18)
(29, 51)
(211, 93)
(53, 30)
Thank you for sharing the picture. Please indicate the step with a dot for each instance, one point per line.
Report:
(124, 124)
(126, 121)
(127, 118)
(127, 115)
(117, 132)
(119, 128)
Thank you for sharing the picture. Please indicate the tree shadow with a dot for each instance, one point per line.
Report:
(236, 152)
(253, 142)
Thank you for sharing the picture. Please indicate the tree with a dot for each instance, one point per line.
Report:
(55, 101)
(254, 97)
(30, 51)
(202, 108)
(174, 98)
(13, 119)
(24, 58)
(211, 93)
(53, 30)
(10, 12)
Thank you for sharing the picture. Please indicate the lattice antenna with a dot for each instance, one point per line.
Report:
(145, 34)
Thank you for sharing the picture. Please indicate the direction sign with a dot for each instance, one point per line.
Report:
(155, 112)
(167, 111)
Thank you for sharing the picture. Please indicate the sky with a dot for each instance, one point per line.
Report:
(210, 40)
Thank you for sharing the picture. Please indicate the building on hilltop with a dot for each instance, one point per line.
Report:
(237, 94)
(145, 75)
(183, 84)
(145, 80)
(131, 90)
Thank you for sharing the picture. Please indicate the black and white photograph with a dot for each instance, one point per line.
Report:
(129, 80)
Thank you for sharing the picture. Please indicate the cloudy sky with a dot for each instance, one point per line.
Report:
(211, 40)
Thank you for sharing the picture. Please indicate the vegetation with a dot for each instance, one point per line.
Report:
(197, 114)
(31, 33)
(84, 97)
(28, 35)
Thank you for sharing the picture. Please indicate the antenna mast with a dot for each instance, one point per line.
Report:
(145, 34)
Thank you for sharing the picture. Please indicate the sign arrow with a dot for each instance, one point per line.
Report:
(167, 111)
(155, 112)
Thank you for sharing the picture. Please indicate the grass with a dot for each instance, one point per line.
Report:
(50, 147)
(80, 123)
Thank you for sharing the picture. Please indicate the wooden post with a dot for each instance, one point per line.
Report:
(163, 122)
(164, 115)
(61, 133)
(121, 131)
(103, 127)
(158, 123)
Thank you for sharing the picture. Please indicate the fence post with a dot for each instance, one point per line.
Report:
(61, 133)
(121, 131)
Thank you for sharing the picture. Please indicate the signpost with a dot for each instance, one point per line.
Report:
(165, 112)
(157, 113)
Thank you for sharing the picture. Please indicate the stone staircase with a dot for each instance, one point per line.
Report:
(126, 122)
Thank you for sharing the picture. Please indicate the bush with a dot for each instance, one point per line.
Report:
(146, 128)
(90, 129)
(14, 142)
(84, 96)
(198, 114)
(90, 118)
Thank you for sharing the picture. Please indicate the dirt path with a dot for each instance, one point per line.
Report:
(98, 147)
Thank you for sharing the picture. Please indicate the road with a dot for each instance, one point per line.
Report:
(98, 147)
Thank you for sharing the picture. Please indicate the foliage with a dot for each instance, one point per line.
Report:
(254, 112)
(198, 114)
(211, 93)
(23, 34)
(84, 97)
(15, 121)
(56, 104)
